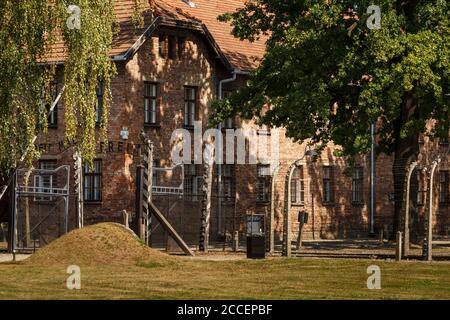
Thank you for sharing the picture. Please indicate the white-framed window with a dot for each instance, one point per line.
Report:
(45, 182)
(298, 186)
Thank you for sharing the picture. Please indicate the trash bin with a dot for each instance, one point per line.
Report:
(256, 238)
(256, 247)
(303, 217)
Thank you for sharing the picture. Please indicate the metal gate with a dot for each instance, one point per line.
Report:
(40, 207)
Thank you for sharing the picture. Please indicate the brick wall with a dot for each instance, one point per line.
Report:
(200, 68)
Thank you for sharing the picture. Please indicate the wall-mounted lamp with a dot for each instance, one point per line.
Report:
(124, 133)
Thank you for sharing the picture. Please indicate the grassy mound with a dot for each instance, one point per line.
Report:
(97, 245)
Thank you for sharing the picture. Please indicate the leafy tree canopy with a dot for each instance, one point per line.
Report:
(326, 75)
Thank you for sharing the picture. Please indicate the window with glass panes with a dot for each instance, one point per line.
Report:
(172, 47)
(228, 123)
(92, 181)
(155, 173)
(99, 90)
(227, 180)
(162, 45)
(45, 181)
(263, 183)
(357, 185)
(444, 188)
(181, 47)
(328, 188)
(53, 115)
(298, 186)
(150, 103)
(418, 194)
(445, 139)
(192, 182)
(190, 105)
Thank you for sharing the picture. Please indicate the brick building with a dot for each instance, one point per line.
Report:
(169, 73)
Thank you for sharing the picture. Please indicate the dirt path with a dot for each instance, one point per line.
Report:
(9, 257)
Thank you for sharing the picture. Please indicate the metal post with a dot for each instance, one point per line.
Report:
(429, 239)
(313, 211)
(15, 203)
(219, 184)
(137, 223)
(66, 214)
(406, 216)
(11, 224)
(148, 184)
(272, 211)
(287, 250)
(372, 181)
(398, 246)
(78, 175)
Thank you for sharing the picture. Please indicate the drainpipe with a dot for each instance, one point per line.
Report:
(372, 181)
(272, 211)
(235, 72)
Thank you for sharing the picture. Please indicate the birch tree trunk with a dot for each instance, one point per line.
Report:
(206, 198)
(27, 239)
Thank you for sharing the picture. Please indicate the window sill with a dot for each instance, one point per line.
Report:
(93, 203)
(45, 202)
(152, 125)
(358, 204)
(298, 204)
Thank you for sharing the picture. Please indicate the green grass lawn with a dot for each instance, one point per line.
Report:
(276, 278)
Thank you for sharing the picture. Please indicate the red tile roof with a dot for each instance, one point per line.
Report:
(238, 54)
(241, 54)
